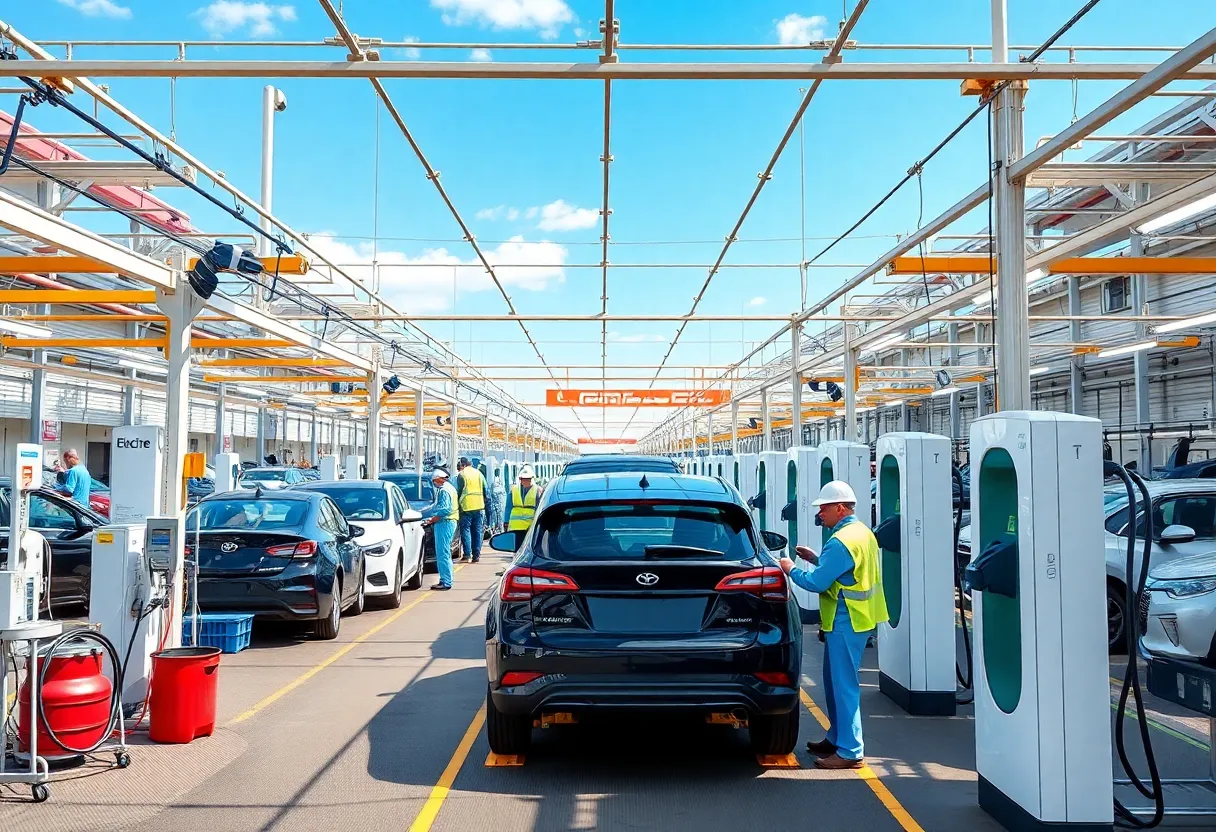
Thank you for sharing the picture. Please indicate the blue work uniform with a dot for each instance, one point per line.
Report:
(843, 646)
(77, 484)
(444, 508)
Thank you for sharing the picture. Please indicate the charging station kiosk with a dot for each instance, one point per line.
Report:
(746, 477)
(1038, 590)
(916, 647)
(354, 467)
(327, 465)
(848, 462)
(770, 477)
(227, 472)
(21, 586)
(804, 531)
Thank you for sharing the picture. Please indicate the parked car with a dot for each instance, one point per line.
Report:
(287, 555)
(99, 492)
(1205, 469)
(267, 477)
(420, 493)
(1177, 612)
(68, 528)
(1184, 523)
(392, 533)
(626, 595)
(614, 463)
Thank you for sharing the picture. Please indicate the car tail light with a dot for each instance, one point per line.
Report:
(522, 582)
(767, 582)
(519, 677)
(286, 550)
(774, 677)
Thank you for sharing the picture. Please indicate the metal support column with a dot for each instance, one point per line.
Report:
(1140, 359)
(454, 443)
(1076, 397)
(419, 451)
(313, 454)
(849, 426)
(373, 423)
(220, 422)
(485, 437)
(956, 417)
(734, 428)
(261, 441)
(767, 424)
(796, 381)
(268, 109)
(1013, 322)
(979, 359)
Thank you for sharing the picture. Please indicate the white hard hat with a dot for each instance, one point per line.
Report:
(526, 473)
(439, 474)
(835, 492)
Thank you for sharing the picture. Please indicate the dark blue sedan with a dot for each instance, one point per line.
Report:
(282, 555)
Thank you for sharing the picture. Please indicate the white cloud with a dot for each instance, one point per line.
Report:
(638, 338)
(426, 285)
(560, 216)
(492, 214)
(757, 301)
(531, 213)
(98, 8)
(794, 28)
(409, 52)
(226, 16)
(512, 214)
(547, 16)
(481, 55)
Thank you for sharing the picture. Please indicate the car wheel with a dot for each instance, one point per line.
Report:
(507, 733)
(1116, 619)
(360, 594)
(774, 734)
(328, 627)
(415, 581)
(394, 600)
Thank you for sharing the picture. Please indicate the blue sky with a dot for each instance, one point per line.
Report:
(686, 153)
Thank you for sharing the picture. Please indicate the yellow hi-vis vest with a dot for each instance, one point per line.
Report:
(864, 599)
(523, 508)
(472, 495)
(454, 514)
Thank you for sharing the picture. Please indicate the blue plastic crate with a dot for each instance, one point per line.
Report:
(228, 631)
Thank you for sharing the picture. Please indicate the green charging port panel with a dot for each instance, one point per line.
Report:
(1001, 616)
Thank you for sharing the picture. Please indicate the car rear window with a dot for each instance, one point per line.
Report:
(623, 531)
(249, 514)
(263, 475)
(621, 466)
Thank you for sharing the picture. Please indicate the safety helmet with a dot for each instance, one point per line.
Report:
(526, 473)
(439, 474)
(835, 492)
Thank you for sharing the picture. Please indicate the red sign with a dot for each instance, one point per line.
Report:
(50, 430)
(636, 398)
(607, 441)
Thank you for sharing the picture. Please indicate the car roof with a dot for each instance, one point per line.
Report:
(622, 462)
(1188, 468)
(323, 485)
(1157, 488)
(628, 486)
(298, 493)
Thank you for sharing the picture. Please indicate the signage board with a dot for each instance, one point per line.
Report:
(636, 398)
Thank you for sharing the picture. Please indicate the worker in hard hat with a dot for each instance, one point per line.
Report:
(471, 491)
(443, 515)
(847, 570)
(521, 502)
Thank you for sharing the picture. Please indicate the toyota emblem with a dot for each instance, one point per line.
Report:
(228, 547)
(648, 579)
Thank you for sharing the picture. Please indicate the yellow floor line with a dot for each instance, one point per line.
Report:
(313, 671)
(430, 809)
(867, 774)
(1153, 723)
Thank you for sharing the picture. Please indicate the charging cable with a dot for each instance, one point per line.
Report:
(965, 677)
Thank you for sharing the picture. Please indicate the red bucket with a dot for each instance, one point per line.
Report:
(182, 703)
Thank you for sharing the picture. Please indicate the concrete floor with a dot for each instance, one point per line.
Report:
(382, 730)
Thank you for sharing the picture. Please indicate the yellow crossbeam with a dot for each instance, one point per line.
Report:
(273, 362)
(84, 343)
(77, 296)
(221, 379)
(973, 264)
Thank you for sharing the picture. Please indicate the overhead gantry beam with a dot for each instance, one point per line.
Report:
(584, 71)
(972, 264)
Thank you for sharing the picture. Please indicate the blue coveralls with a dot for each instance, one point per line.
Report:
(843, 648)
(445, 530)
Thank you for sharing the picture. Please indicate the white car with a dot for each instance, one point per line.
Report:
(1178, 609)
(392, 533)
(1184, 524)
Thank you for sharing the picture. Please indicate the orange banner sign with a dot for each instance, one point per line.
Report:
(607, 441)
(636, 398)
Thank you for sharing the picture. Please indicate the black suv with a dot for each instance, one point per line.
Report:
(620, 463)
(643, 591)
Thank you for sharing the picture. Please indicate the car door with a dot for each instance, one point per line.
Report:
(348, 552)
(1195, 509)
(69, 533)
(410, 532)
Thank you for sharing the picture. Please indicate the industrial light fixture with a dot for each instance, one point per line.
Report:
(22, 329)
(1178, 214)
(141, 366)
(392, 385)
(222, 257)
(1198, 320)
(1127, 349)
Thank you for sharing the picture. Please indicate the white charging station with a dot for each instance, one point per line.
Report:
(354, 467)
(137, 454)
(806, 463)
(327, 465)
(770, 476)
(916, 647)
(1042, 726)
(746, 476)
(848, 462)
(227, 472)
(21, 579)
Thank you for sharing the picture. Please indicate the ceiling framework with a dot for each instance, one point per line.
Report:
(1086, 206)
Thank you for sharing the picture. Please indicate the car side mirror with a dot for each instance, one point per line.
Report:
(355, 531)
(405, 520)
(1177, 533)
(507, 541)
(773, 541)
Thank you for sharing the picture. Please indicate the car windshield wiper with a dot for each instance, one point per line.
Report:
(671, 550)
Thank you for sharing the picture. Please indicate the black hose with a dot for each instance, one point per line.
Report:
(82, 634)
(965, 679)
(1131, 677)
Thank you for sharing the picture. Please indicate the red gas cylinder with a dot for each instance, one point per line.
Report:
(76, 698)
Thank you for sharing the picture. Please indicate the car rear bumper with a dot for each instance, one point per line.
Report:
(560, 692)
(265, 598)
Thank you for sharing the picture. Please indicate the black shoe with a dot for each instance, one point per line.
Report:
(823, 748)
(442, 587)
(476, 560)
